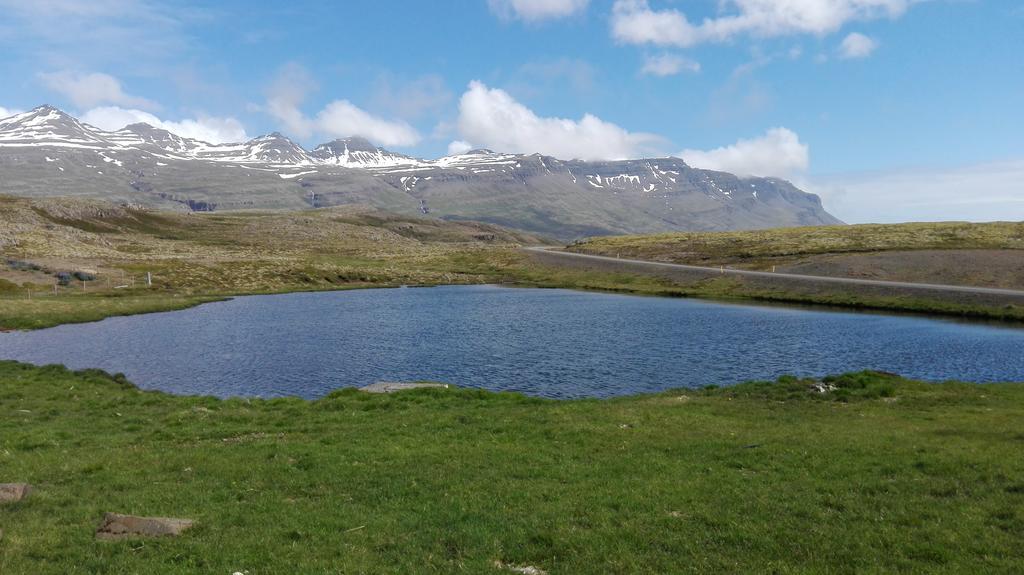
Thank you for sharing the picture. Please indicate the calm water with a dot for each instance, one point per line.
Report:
(552, 343)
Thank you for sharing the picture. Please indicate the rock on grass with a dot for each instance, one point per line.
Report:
(116, 526)
(14, 492)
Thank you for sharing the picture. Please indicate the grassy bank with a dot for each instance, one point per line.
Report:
(499, 265)
(761, 248)
(548, 271)
(956, 253)
(41, 312)
(879, 474)
(197, 258)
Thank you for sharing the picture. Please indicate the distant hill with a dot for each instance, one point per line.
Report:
(46, 152)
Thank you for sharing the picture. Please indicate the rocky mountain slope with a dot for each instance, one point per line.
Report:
(45, 152)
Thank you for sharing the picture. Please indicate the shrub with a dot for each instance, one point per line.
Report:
(22, 266)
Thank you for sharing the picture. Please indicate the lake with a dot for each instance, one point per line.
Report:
(550, 343)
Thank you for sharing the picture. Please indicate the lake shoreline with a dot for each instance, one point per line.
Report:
(809, 384)
(544, 342)
(159, 303)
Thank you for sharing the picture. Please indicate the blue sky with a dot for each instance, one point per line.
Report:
(891, 109)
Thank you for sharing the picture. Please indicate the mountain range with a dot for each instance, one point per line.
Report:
(46, 152)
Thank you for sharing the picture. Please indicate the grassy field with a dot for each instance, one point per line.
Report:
(761, 248)
(877, 475)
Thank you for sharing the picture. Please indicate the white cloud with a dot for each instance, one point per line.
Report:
(93, 89)
(492, 118)
(779, 152)
(459, 147)
(857, 45)
(291, 86)
(291, 117)
(634, 22)
(337, 119)
(342, 118)
(983, 192)
(8, 112)
(668, 65)
(537, 10)
(205, 128)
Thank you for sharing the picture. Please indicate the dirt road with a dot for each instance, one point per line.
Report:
(657, 266)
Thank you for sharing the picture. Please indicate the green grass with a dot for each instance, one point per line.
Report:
(47, 311)
(878, 475)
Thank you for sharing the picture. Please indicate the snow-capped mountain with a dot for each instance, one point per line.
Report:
(273, 149)
(356, 152)
(46, 152)
(49, 127)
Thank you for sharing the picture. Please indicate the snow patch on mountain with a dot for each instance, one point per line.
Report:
(358, 152)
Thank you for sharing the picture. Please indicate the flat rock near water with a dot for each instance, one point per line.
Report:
(14, 492)
(393, 386)
(116, 526)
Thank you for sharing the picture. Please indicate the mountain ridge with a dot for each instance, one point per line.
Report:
(47, 152)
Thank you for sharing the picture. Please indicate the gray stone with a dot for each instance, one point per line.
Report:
(393, 386)
(14, 492)
(822, 387)
(116, 526)
(522, 570)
